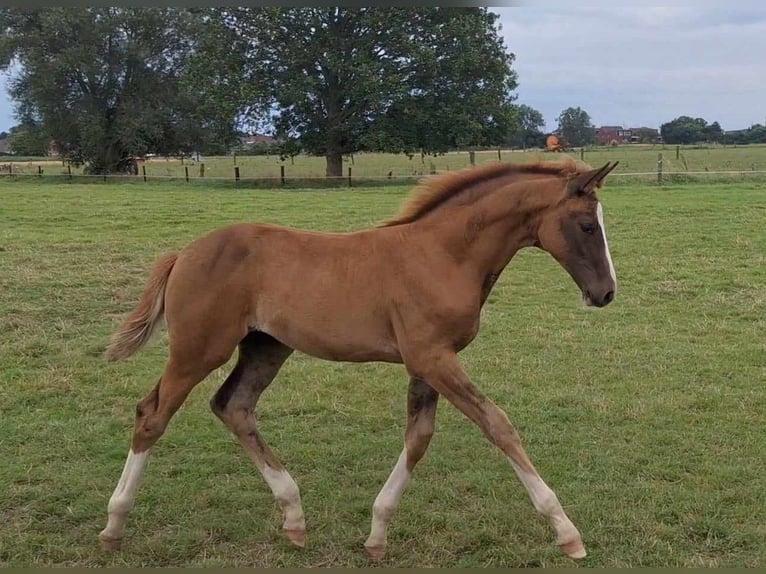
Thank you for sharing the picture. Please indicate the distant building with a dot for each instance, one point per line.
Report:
(645, 135)
(612, 135)
(617, 135)
(253, 139)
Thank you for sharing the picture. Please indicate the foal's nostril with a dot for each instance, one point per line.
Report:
(609, 297)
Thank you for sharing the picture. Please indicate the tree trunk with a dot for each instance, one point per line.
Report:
(334, 164)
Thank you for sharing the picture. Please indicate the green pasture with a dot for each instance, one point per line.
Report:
(647, 417)
(633, 159)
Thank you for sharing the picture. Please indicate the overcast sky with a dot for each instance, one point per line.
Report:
(631, 66)
(639, 65)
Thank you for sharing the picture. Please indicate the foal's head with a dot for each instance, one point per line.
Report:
(572, 231)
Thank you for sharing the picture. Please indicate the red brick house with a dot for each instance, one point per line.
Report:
(613, 135)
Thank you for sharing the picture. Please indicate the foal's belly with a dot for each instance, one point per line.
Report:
(342, 336)
(324, 346)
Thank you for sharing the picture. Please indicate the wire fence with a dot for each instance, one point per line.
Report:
(304, 182)
(382, 171)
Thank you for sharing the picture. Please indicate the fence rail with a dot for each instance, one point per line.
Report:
(239, 179)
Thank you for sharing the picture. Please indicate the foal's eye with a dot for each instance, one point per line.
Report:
(587, 227)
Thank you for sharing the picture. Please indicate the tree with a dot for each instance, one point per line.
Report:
(575, 126)
(713, 133)
(528, 132)
(386, 79)
(688, 130)
(646, 135)
(754, 134)
(108, 83)
(29, 139)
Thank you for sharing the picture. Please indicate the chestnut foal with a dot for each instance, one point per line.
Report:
(409, 291)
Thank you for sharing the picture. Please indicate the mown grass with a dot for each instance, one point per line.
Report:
(646, 417)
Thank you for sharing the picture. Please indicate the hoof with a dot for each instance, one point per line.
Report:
(111, 544)
(574, 549)
(297, 537)
(375, 553)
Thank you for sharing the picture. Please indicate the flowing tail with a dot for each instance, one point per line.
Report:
(137, 329)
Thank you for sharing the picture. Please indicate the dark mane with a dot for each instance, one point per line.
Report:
(434, 191)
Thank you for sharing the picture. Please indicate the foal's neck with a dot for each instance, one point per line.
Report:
(486, 234)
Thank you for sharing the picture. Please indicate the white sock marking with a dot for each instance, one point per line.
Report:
(287, 494)
(121, 502)
(387, 501)
(547, 503)
(600, 215)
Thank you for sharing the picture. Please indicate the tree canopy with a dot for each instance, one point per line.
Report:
(109, 83)
(528, 130)
(343, 80)
(754, 134)
(575, 126)
(688, 130)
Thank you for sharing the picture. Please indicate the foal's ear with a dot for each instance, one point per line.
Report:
(587, 182)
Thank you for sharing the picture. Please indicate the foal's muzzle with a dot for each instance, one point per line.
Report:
(598, 299)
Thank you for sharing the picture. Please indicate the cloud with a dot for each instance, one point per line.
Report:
(641, 65)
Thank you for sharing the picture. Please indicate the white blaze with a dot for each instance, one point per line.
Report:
(600, 215)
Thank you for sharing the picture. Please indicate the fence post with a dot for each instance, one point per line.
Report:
(69, 171)
(499, 158)
(236, 174)
(349, 176)
(659, 169)
(472, 157)
(202, 170)
(282, 174)
(235, 158)
(678, 151)
(39, 171)
(143, 171)
(582, 154)
(186, 168)
(104, 177)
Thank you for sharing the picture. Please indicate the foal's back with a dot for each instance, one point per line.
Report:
(320, 293)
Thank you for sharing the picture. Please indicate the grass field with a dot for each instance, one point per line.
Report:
(633, 159)
(646, 417)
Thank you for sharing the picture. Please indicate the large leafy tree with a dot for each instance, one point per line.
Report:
(108, 83)
(528, 131)
(29, 139)
(576, 127)
(687, 130)
(344, 80)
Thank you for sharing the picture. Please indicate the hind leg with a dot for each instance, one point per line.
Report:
(421, 417)
(153, 414)
(260, 358)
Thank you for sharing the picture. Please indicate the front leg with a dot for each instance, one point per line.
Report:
(445, 374)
